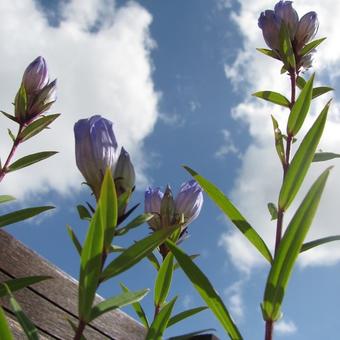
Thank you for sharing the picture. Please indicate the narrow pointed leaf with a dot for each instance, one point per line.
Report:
(301, 161)
(278, 141)
(186, 314)
(206, 290)
(325, 156)
(83, 213)
(193, 257)
(74, 239)
(10, 133)
(234, 215)
(136, 253)
(269, 53)
(14, 119)
(25, 323)
(29, 160)
(22, 282)
(138, 309)
(286, 49)
(300, 108)
(115, 302)
(153, 260)
(20, 215)
(163, 280)
(136, 222)
(310, 46)
(318, 242)
(273, 97)
(289, 249)
(5, 330)
(37, 126)
(272, 210)
(300, 82)
(160, 322)
(318, 91)
(6, 198)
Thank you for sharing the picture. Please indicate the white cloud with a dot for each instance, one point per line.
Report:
(228, 147)
(260, 174)
(235, 299)
(100, 54)
(187, 301)
(283, 327)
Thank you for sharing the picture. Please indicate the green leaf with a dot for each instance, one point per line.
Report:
(83, 213)
(5, 330)
(289, 249)
(136, 222)
(136, 253)
(286, 49)
(20, 103)
(272, 210)
(325, 156)
(269, 53)
(186, 314)
(6, 198)
(22, 282)
(14, 119)
(115, 302)
(160, 322)
(206, 290)
(74, 239)
(273, 97)
(10, 133)
(93, 248)
(163, 280)
(230, 210)
(300, 108)
(300, 82)
(25, 323)
(278, 141)
(37, 126)
(20, 215)
(109, 208)
(193, 257)
(30, 159)
(138, 309)
(316, 243)
(192, 335)
(310, 46)
(301, 161)
(116, 249)
(153, 260)
(318, 91)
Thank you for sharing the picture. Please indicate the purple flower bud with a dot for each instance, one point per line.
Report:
(270, 26)
(152, 205)
(288, 15)
(189, 201)
(35, 76)
(306, 30)
(124, 174)
(96, 149)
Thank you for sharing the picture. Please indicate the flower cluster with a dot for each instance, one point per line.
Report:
(168, 211)
(36, 93)
(300, 31)
(97, 150)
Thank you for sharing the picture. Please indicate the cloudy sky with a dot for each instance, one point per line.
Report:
(176, 79)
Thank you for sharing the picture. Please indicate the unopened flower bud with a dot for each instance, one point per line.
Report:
(270, 26)
(152, 205)
(96, 148)
(306, 30)
(288, 15)
(35, 76)
(124, 174)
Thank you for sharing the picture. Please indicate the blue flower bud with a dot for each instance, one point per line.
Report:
(96, 149)
(287, 14)
(152, 205)
(35, 76)
(306, 30)
(124, 174)
(189, 201)
(270, 26)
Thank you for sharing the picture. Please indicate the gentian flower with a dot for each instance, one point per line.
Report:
(300, 31)
(36, 94)
(168, 211)
(96, 150)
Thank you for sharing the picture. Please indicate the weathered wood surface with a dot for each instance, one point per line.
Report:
(48, 304)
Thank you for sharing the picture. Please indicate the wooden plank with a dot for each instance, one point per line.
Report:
(16, 260)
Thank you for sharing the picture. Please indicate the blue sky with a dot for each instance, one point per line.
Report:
(176, 78)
